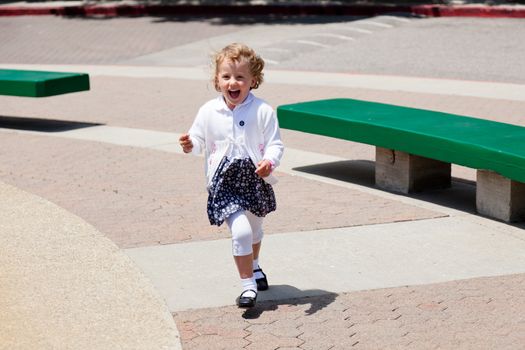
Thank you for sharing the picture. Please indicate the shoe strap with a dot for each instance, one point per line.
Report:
(258, 270)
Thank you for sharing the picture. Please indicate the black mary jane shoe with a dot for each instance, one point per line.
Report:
(262, 283)
(246, 302)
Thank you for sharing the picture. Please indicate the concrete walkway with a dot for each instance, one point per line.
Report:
(371, 257)
(491, 90)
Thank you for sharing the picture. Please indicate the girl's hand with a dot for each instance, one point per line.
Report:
(185, 143)
(264, 168)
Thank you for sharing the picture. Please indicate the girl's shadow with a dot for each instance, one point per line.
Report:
(288, 295)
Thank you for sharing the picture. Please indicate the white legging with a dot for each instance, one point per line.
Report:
(246, 230)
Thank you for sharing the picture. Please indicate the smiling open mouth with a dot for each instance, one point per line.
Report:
(234, 94)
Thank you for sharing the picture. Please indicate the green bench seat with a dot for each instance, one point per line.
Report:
(415, 147)
(28, 83)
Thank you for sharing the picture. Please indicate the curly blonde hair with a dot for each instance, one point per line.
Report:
(237, 52)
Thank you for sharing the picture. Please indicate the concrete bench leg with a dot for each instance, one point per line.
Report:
(499, 197)
(403, 172)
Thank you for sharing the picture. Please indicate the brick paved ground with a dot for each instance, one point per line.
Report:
(142, 197)
(62, 40)
(476, 314)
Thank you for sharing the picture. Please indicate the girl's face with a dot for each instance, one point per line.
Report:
(234, 81)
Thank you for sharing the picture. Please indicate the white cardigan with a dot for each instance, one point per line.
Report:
(212, 132)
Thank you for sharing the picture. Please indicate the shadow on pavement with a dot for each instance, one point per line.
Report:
(220, 20)
(317, 298)
(42, 125)
(461, 196)
(260, 19)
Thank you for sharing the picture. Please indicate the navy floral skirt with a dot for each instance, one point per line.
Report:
(235, 186)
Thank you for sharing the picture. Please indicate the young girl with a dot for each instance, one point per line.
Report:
(240, 136)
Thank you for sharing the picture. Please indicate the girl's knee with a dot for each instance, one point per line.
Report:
(242, 241)
(256, 225)
(242, 235)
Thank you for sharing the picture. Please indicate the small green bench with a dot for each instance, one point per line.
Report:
(29, 83)
(415, 148)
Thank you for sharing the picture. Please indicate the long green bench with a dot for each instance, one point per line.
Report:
(29, 83)
(415, 148)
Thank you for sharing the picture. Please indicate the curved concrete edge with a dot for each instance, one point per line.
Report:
(63, 285)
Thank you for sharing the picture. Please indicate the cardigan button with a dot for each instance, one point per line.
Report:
(241, 123)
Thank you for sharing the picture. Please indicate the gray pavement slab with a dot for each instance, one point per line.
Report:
(393, 83)
(273, 41)
(449, 48)
(337, 261)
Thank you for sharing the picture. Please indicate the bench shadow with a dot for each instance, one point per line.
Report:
(42, 125)
(288, 295)
(460, 196)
